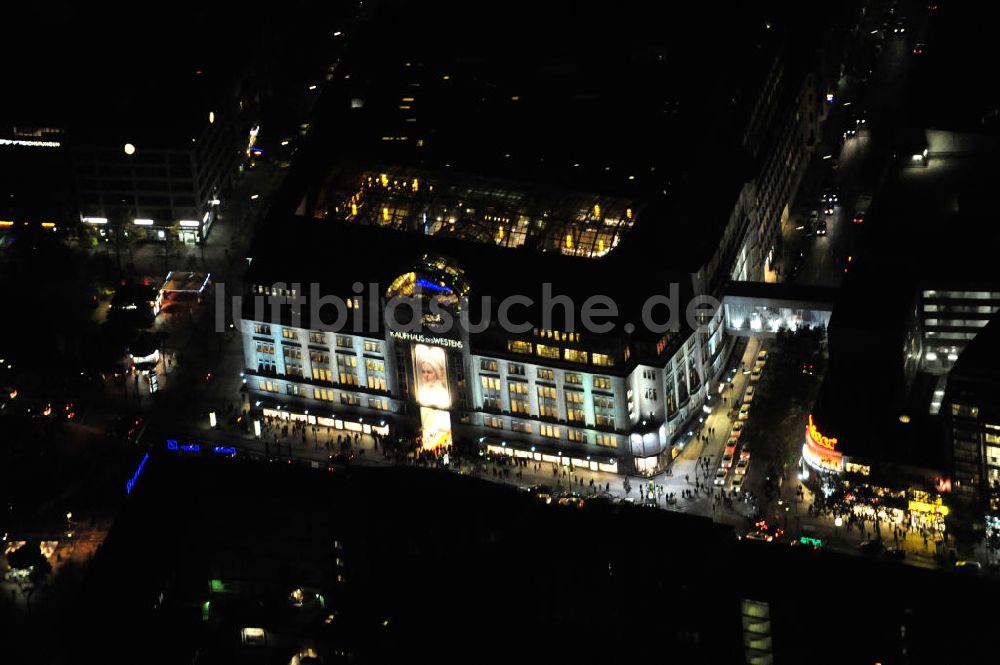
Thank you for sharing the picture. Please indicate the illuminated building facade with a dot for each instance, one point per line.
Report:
(149, 182)
(620, 400)
(820, 451)
(950, 318)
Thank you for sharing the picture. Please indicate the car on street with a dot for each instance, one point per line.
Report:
(748, 395)
(741, 466)
(731, 446)
(821, 228)
(571, 499)
(871, 547)
(737, 430)
(745, 452)
(968, 566)
(813, 218)
(744, 412)
(919, 48)
(344, 459)
(727, 460)
(126, 428)
(720, 477)
(737, 484)
(760, 535)
(755, 375)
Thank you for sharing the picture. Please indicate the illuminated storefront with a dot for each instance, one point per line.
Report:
(820, 452)
(504, 449)
(350, 425)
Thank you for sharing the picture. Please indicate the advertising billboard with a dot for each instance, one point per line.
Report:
(431, 377)
(435, 428)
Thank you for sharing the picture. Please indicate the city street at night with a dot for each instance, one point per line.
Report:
(375, 332)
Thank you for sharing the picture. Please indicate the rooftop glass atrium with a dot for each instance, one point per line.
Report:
(476, 209)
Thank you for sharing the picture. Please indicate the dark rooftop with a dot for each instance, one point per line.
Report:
(950, 89)
(335, 255)
(981, 358)
(564, 96)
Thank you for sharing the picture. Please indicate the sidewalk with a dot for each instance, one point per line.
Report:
(317, 443)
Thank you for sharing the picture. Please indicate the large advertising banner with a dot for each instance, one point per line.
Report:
(431, 377)
(435, 428)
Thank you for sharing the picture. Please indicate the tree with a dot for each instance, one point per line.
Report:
(29, 557)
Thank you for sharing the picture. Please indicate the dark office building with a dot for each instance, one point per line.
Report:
(972, 413)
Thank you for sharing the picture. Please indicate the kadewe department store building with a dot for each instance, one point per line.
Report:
(617, 400)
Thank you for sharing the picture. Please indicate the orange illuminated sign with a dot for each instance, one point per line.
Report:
(830, 443)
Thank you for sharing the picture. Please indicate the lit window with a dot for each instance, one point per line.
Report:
(519, 346)
(602, 383)
(602, 360)
(322, 374)
(324, 394)
(548, 351)
(375, 370)
(347, 367)
(606, 441)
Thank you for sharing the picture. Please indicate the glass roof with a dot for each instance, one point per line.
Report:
(477, 209)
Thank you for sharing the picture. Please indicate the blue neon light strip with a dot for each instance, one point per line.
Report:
(190, 448)
(135, 476)
(426, 284)
(225, 450)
